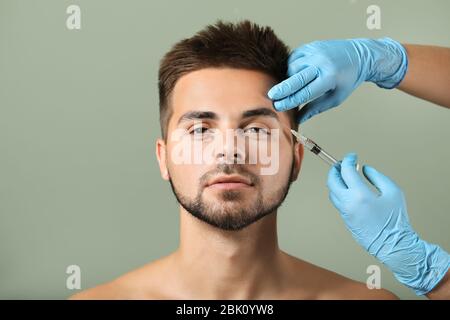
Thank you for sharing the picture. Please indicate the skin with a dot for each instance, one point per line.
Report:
(428, 75)
(442, 290)
(213, 263)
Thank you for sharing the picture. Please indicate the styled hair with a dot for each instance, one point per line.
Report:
(241, 45)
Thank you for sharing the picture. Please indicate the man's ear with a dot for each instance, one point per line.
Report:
(298, 159)
(161, 156)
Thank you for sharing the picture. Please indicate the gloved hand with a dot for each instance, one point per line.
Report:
(380, 224)
(327, 72)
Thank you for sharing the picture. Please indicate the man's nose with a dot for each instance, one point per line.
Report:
(232, 150)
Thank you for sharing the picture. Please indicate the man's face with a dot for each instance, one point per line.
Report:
(223, 117)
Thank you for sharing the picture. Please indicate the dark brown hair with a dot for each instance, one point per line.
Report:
(242, 45)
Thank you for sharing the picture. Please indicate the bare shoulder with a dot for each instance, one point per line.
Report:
(107, 291)
(328, 285)
(141, 283)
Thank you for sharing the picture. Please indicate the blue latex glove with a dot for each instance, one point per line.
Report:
(327, 72)
(379, 223)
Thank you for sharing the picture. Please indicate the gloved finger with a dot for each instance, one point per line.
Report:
(293, 84)
(349, 173)
(298, 65)
(296, 54)
(323, 103)
(383, 183)
(310, 92)
(335, 183)
(335, 200)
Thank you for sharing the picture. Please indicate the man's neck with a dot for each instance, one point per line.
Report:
(229, 264)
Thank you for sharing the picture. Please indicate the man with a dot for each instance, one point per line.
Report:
(209, 84)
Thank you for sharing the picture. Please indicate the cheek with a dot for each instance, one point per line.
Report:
(184, 172)
(275, 154)
(262, 151)
(186, 177)
(286, 159)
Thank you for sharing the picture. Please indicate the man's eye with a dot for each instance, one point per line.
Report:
(256, 130)
(198, 130)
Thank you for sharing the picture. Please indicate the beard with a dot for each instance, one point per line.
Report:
(233, 212)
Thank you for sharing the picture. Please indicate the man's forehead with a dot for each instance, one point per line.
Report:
(229, 87)
(231, 76)
(227, 92)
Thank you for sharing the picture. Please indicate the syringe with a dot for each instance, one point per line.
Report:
(314, 148)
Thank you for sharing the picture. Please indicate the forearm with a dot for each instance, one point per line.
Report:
(428, 74)
(442, 290)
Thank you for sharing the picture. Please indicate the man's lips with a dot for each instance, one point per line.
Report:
(230, 182)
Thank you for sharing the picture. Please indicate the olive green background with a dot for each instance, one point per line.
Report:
(79, 182)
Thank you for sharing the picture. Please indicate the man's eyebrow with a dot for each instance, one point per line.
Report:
(194, 115)
(260, 112)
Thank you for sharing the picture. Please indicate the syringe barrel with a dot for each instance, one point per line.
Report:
(314, 148)
(327, 158)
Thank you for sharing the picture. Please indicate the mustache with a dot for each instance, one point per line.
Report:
(229, 169)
